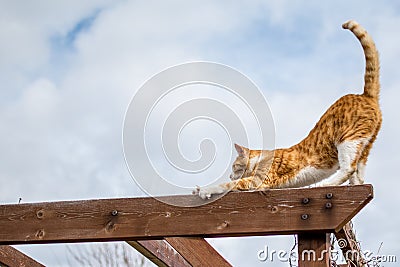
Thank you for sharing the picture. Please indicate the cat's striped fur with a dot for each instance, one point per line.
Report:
(338, 145)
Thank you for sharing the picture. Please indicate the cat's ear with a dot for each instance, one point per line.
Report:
(241, 150)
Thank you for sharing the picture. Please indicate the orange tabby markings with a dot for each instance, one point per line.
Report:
(339, 144)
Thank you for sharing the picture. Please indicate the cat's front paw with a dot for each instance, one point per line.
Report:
(207, 192)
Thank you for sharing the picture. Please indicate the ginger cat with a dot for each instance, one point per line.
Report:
(339, 144)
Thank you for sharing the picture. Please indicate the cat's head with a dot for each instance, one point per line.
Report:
(251, 162)
(240, 164)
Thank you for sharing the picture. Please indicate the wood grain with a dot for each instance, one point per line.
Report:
(350, 247)
(197, 251)
(160, 253)
(12, 257)
(180, 252)
(281, 211)
(314, 250)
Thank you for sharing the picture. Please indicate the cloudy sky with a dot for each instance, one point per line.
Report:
(68, 70)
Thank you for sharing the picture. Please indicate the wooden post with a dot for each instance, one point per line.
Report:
(314, 250)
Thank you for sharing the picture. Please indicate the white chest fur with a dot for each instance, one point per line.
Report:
(310, 175)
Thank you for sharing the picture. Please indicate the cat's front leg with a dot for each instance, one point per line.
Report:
(207, 192)
(244, 184)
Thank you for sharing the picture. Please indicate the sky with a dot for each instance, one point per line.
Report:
(69, 69)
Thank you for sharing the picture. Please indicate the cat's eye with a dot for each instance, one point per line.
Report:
(238, 165)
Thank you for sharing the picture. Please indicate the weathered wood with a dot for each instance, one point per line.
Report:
(197, 251)
(314, 250)
(160, 253)
(12, 257)
(180, 252)
(283, 211)
(351, 249)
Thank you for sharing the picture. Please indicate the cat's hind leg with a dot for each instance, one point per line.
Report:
(360, 172)
(358, 176)
(349, 153)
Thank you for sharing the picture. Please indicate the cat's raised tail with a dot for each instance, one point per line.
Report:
(371, 78)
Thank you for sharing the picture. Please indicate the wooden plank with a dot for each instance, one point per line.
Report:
(283, 211)
(160, 253)
(314, 250)
(197, 251)
(12, 257)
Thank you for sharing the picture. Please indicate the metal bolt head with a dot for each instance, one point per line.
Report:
(329, 195)
(114, 213)
(305, 200)
(305, 216)
(328, 205)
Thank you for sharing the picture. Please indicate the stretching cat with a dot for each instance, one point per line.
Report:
(339, 144)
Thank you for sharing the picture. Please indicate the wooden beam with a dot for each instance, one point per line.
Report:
(314, 250)
(180, 252)
(197, 251)
(160, 253)
(280, 211)
(351, 249)
(12, 257)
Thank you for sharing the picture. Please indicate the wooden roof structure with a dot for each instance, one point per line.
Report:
(174, 236)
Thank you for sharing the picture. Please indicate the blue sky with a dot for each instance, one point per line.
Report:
(68, 70)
